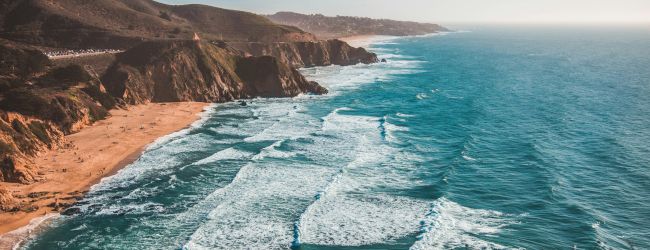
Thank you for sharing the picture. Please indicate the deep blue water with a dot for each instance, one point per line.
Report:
(502, 137)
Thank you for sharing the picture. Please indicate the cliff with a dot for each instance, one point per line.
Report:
(168, 71)
(40, 103)
(125, 23)
(342, 26)
(310, 54)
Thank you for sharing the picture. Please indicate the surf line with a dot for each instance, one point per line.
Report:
(295, 244)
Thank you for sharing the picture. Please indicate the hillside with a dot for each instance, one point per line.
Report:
(342, 26)
(122, 23)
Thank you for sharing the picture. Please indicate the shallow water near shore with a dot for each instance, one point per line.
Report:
(501, 137)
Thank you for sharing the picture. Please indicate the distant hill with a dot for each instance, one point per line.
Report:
(342, 26)
(120, 23)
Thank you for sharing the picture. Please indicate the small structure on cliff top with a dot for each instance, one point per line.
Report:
(196, 37)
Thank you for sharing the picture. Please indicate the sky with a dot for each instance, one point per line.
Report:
(455, 11)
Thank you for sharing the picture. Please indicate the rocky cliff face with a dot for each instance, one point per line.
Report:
(34, 120)
(167, 71)
(38, 105)
(310, 54)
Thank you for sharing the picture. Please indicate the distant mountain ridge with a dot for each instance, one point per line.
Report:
(342, 26)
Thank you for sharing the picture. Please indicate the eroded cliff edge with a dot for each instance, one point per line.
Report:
(171, 71)
(312, 53)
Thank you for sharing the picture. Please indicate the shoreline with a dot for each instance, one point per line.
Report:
(363, 40)
(99, 150)
(366, 40)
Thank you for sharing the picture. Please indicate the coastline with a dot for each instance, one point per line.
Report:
(366, 40)
(97, 151)
(71, 172)
(363, 40)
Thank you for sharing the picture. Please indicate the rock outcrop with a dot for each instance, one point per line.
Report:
(168, 71)
(38, 105)
(310, 54)
(7, 201)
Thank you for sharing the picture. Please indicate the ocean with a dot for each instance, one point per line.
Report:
(500, 137)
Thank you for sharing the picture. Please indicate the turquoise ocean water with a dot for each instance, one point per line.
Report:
(501, 137)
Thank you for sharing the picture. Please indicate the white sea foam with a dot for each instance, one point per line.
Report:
(421, 96)
(451, 225)
(349, 123)
(132, 209)
(355, 221)
(15, 239)
(205, 115)
(395, 56)
(444, 33)
(465, 155)
(254, 211)
(468, 158)
(257, 209)
(273, 152)
(347, 212)
(404, 115)
(226, 154)
(341, 79)
(155, 161)
(391, 130)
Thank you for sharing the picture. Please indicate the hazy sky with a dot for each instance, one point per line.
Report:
(455, 10)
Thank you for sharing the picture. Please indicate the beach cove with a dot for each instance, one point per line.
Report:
(93, 153)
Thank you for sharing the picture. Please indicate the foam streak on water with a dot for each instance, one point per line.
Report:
(450, 225)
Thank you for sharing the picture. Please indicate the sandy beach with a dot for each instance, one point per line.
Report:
(95, 152)
(363, 40)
